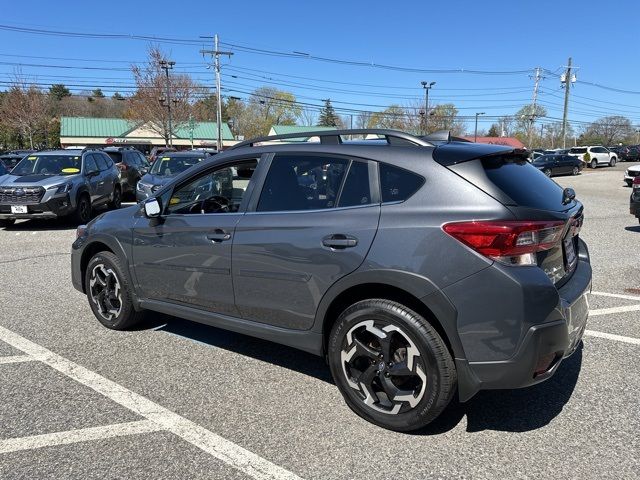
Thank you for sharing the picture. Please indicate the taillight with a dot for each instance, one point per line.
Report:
(509, 242)
(636, 182)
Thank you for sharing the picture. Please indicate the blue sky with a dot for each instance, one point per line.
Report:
(491, 36)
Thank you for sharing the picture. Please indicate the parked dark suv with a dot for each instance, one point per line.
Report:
(59, 183)
(132, 165)
(416, 267)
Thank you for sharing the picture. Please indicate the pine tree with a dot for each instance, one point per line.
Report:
(328, 117)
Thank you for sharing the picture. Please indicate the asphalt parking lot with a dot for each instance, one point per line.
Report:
(174, 399)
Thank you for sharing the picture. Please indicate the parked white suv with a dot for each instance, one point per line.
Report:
(631, 173)
(598, 155)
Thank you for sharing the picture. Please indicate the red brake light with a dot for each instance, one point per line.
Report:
(636, 181)
(505, 240)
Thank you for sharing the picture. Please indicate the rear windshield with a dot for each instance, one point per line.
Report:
(524, 184)
(115, 156)
(169, 165)
(578, 150)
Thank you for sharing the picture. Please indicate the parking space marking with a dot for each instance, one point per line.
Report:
(609, 311)
(610, 336)
(616, 295)
(228, 452)
(79, 435)
(16, 359)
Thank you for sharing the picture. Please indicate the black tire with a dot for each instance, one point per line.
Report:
(547, 172)
(83, 209)
(108, 292)
(594, 163)
(575, 171)
(6, 222)
(116, 200)
(628, 182)
(429, 377)
(612, 162)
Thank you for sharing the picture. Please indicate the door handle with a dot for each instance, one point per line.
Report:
(218, 236)
(339, 241)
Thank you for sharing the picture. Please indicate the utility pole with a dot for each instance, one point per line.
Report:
(541, 133)
(532, 117)
(475, 135)
(166, 66)
(567, 79)
(215, 53)
(427, 86)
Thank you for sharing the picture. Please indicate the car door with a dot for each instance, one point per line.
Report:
(105, 182)
(184, 257)
(312, 224)
(92, 174)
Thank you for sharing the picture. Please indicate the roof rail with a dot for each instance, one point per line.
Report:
(334, 137)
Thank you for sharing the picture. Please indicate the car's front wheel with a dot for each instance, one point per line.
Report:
(612, 162)
(108, 292)
(594, 163)
(547, 172)
(391, 365)
(83, 209)
(116, 199)
(575, 171)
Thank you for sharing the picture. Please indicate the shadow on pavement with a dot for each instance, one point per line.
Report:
(635, 229)
(274, 353)
(518, 410)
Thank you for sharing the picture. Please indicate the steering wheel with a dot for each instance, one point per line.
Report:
(215, 204)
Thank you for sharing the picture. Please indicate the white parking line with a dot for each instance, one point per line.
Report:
(616, 295)
(16, 359)
(608, 311)
(234, 455)
(80, 435)
(610, 336)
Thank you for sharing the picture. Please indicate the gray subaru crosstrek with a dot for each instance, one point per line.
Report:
(59, 183)
(417, 266)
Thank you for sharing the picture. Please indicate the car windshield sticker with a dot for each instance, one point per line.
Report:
(70, 170)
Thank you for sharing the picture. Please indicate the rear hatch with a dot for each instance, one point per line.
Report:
(506, 175)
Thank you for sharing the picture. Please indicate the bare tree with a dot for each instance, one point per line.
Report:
(307, 117)
(146, 105)
(24, 108)
(608, 130)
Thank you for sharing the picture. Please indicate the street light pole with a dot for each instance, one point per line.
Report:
(475, 135)
(427, 86)
(166, 66)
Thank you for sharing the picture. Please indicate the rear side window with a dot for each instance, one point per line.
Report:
(398, 184)
(100, 161)
(115, 156)
(524, 184)
(578, 150)
(302, 183)
(90, 164)
(357, 189)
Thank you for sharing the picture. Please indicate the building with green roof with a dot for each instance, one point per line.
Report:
(88, 131)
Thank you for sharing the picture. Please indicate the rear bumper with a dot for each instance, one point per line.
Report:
(552, 322)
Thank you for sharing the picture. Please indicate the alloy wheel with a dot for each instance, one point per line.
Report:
(382, 364)
(105, 292)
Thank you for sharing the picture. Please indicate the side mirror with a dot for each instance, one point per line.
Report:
(152, 208)
(92, 173)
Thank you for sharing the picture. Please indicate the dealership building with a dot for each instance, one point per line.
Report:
(98, 132)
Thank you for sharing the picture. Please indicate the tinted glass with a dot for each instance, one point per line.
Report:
(220, 191)
(48, 165)
(171, 165)
(100, 161)
(115, 156)
(90, 164)
(524, 183)
(398, 184)
(578, 150)
(302, 183)
(2, 169)
(356, 190)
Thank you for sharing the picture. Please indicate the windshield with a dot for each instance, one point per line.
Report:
(166, 166)
(48, 165)
(2, 169)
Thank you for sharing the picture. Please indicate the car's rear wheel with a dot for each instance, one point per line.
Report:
(575, 171)
(83, 209)
(547, 172)
(108, 292)
(594, 163)
(6, 222)
(116, 199)
(391, 365)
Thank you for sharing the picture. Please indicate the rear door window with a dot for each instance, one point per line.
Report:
(398, 184)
